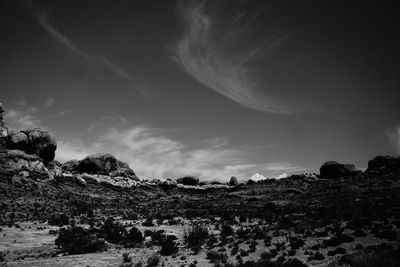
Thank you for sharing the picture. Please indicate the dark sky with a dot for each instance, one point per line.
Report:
(208, 88)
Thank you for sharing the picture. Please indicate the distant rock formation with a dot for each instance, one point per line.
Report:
(334, 169)
(98, 164)
(233, 181)
(102, 164)
(380, 162)
(188, 180)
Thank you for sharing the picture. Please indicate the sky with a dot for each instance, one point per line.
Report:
(207, 88)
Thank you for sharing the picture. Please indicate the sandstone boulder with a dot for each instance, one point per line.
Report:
(98, 164)
(70, 166)
(188, 180)
(43, 144)
(233, 181)
(381, 162)
(20, 141)
(333, 170)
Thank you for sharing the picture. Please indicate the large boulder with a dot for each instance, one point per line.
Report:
(20, 141)
(333, 170)
(188, 180)
(381, 162)
(43, 144)
(70, 166)
(233, 181)
(98, 164)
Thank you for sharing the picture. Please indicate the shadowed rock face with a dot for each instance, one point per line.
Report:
(380, 162)
(233, 181)
(333, 170)
(188, 180)
(98, 164)
(35, 141)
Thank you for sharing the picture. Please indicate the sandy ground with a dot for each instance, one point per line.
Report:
(30, 244)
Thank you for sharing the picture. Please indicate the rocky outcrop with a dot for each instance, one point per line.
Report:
(233, 181)
(105, 164)
(98, 164)
(35, 141)
(43, 144)
(381, 162)
(70, 166)
(26, 165)
(188, 180)
(333, 170)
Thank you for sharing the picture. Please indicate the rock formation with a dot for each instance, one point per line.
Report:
(380, 162)
(233, 181)
(35, 141)
(333, 170)
(188, 180)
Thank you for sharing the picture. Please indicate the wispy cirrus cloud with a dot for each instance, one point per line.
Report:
(205, 52)
(67, 43)
(393, 136)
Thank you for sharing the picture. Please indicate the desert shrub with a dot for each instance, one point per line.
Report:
(389, 235)
(296, 242)
(215, 256)
(226, 230)
(280, 245)
(267, 241)
(76, 240)
(211, 241)
(134, 237)
(243, 233)
(148, 222)
(157, 237)
(359, 233)
(127, 260)
(234, 250)
(113, 232)
(59, 219)
(259, 233)
(318, 256)
(169, 246)
(372, 259)
(195, 236)
(338, 240)
(153, 260)
(338, 250)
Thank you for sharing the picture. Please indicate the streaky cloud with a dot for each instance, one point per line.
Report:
(44, 21)
(203, 52)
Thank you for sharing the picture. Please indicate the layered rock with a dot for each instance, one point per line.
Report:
(188, 180)
(26, 165)
(381, 162)
(333, 170)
